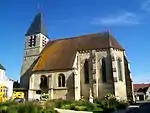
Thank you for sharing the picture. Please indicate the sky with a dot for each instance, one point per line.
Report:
(127, 20)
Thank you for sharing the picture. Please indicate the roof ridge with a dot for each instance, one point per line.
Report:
(79, 36)
(110, 38)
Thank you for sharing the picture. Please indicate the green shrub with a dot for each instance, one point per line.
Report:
(8, 103)
(49, 107)
(111, 103)
(81, 105)
(59, 103)
(122, 104)
(90, 106)
(72, 106)
(66, 107)
(26, 108)
(97, 109)
(3, 109)
(81, 108)
(12, 109)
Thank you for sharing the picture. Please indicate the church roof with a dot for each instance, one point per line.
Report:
(60, 54)
(2, 67)
(37, 26)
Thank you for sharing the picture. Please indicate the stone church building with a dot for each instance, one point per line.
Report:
(69, 68)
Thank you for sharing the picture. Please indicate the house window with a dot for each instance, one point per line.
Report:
(32, 41)
(4, 89)
(104, 70)
(86, 72)
(119, 69)
(44, 80)
(6, 92)
(61, 80)
(49, 81)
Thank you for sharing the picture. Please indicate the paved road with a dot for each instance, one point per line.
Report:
(144, 107)
(130, 108)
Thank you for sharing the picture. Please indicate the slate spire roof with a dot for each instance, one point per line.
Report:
(37, 26)
(2, 67)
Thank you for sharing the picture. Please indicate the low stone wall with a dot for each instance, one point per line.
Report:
(70, 111)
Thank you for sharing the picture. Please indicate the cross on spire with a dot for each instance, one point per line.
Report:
(39, 6)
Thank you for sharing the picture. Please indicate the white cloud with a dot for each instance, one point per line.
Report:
(146, 5)
(125, 18)
(141, 79)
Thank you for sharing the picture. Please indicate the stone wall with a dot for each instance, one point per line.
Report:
(30, 55)
(75, 86)
(120, 86)
(100, 89)
(129, 83)
(55, 92)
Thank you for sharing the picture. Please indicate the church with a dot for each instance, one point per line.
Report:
(71, 68)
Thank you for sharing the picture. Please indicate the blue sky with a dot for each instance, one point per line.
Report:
(127, 20)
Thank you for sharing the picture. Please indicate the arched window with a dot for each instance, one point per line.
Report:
(119, 69)
(86, 72)
(49, 81)
(61, 80)
(104, 70)
(6, 92)
(44, 80)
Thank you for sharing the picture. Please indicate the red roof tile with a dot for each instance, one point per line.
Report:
(138, 86)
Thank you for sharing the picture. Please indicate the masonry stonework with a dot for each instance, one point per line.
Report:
(54, 91)
(120, 86)
(67, 57)
(75, 87)
(30, 55)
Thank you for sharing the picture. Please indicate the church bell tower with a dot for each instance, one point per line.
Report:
(36, 39)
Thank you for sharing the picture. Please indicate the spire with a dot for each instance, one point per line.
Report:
(37, 26)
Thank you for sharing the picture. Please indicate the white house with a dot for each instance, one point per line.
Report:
(142, 91)
(5, 82)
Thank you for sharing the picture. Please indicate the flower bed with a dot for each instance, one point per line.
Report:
(106, 105)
